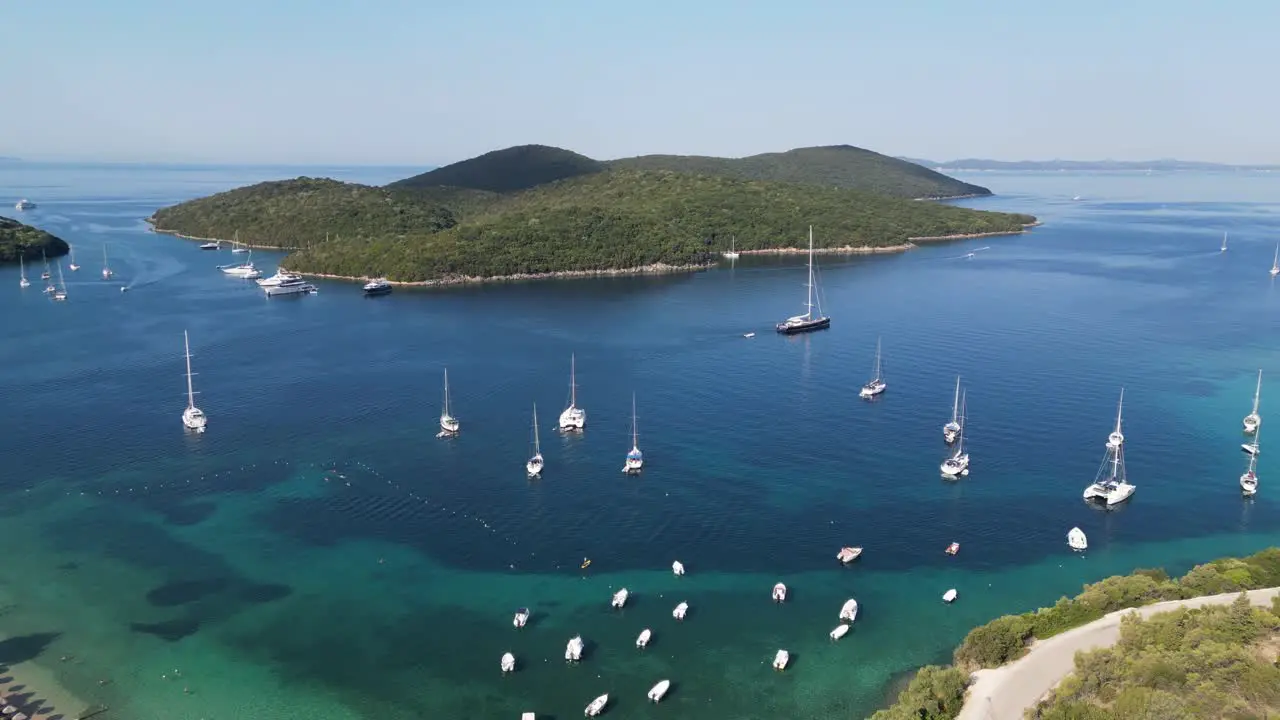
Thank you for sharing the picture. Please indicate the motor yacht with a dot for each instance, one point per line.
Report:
(290, 287)
(281, 276)
(377, 286)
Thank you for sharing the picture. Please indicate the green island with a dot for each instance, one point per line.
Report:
(534, 211)
(1209, 662)
(23, 241)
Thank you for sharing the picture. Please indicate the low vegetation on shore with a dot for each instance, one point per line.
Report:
(1005, 639)
(539, 212)
(23, 241)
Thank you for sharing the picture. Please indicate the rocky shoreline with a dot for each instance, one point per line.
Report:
(654, 269)
(157, 229)
(886, 249)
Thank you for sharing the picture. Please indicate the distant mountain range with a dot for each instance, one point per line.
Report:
(1082, 165)
(4, 159)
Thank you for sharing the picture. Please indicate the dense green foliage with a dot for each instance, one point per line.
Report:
(841, 166)
(616, 220)
(18, 240)
(935, 693)
(302, 212)
(507, 170)
(1212, 662)
(1004, 638)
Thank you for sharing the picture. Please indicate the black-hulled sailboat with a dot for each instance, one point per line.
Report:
(809, 321)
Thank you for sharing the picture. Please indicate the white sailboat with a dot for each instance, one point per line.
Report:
(61, 292)
(1224, 243)
(1076, 539)
(1275, 263)
(245, 270)
(733, 253)
(449, 424)
(1253, 419)
(952, 429)
(1249, 480)
(73, 266)
(193, 418)
(47, 273)
(809, 321)
(534, 466)
(22, 272)
(876, 384)
(106, 268)
(635, 458)
(1111, 486)
(958, 464)
(236, 247)
(573, 417)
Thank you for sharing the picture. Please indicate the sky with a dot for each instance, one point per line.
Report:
(433, 82)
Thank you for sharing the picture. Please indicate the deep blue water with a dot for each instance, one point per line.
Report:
(320, 551)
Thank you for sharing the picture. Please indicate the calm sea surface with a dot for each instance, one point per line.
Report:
(320, 553)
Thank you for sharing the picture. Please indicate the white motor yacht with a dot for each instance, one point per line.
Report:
(781, 659)
(677, 567)
(290, 287)
(1076, 539)
(1253, 419)
(949, 596)
(681, 610)
(508, 663)
(643, 640)
(849, 554)
(281, 276)
(573, 417)
(779, 593)
(573, 651)
(659, 690)
(193, 418)
(377, 286)
(597, 706)
(849, 611)
(520, 618)
(24, 204)
(840, 631)
(876, 385)
(619, 598)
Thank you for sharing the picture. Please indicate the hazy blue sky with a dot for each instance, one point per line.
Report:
(391, 81)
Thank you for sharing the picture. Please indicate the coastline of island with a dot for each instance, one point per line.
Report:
(910, 244)
(161, 231)
(652, 269)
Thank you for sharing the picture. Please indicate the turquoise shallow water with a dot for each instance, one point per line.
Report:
(319, 553)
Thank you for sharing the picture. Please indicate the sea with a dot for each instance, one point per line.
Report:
(320, 553)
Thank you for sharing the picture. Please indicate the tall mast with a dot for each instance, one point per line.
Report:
(537, 446)
(955, 404)
(877, 367)
(446, 391)
(573, 384)
(964, 401)
(635, 433)
(191, 393)
(808, 303)
(62, 284)
(1257, 391)
(1119, 409)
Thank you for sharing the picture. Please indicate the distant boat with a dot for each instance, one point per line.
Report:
(236, 247)
(840, 631)
(1076, 198)
(849, 554)
(681, 610)
(1253, 419)
(733, 253)
(73, 266)
(809, 321)
(106, 269)
(46, 273)
(849, 611)
(596, 706)
(1249, 480)
(1275, 263)
(520, 618)
(573, 417)
(952, 429)
(635, 459)
(22, 273)
(659, 690)
(281, 277)
(958, 464)
(1111, 486)
(245, 270)
(193, 418)
(1076, 539)
(953, 548)
(449, 425)
(779, 593)
(508, 663)
(377, 286)
(876, 384)
(677, 567)
(25, 204)
(296, 286)
(619, 598)
(949, 596)
(1224, 243)
(573, 651)
(215, 245)
(643, 640)
(748, 335)
(61, 292)
(534, 466)
(781, 659)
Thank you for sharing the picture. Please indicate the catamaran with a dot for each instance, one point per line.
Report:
(73, 266)
(635, 458)
(876, 384)
(22, 273)
(61, 292)
(193, 418)
(106, 269)
(449, 424)
(807, 322)
(952, 429)
(1275, 263)
(573, 417)
(534, 466)
(1253, 419)
(958, 464)
(1111, 486)
(733, 253)
(1249, 480)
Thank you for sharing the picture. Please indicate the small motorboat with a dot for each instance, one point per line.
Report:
(677, 567)
(1076, 539)
(949, 596)
(680, 611)
(749, 335)
(840, 631)
(573, 651)
(659, 690)
(586, 563)
(849, 554)
(643, 640)
(211, 246)
(521, 617)
(779, 593)
(619, 598)
(781, 659)
(508, 663)
(953, 548)
(850, 610)
(597, 706)
(1251, 447)
(528, 716)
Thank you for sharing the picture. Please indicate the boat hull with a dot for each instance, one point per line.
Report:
(804, 327)
(377, 291)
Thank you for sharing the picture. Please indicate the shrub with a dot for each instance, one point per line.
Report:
(935, 693)
(995, 643)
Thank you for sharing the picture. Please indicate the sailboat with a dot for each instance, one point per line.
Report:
(73, 266)
(573, 417)
(958, 464)
(1253, 419)
(952, 429)
(61, 292)
(733, 253)
(47, 272)
(876, 384)
(22, 271)
(106, 269)
(245, 270)
(807, 322)
(449, 424)
(534, 466)
(1224, 243)
(236, 247)
(193, 418)
(1111, 487)
(1275, 263)
(1249, 480)
(635, 459)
